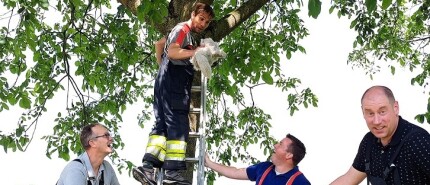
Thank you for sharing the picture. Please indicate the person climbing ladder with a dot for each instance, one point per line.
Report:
(166, 146)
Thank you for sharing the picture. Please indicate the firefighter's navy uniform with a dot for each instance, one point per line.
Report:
(167, 141)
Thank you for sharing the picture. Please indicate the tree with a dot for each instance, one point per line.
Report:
(397, 32)
(100, 61)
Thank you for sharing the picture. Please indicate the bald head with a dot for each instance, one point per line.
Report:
(379, 89)
(381, 112)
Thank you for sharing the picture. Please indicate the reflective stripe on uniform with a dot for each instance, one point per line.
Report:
(157, 146)
(176, 150)
(155, 151)
(162, 155)
(157, 140)
(175, 157)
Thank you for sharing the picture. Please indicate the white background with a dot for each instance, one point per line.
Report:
(331, 132)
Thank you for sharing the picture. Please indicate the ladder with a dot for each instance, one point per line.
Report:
(200, 135)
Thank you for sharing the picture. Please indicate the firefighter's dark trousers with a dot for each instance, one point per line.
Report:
(167, 142)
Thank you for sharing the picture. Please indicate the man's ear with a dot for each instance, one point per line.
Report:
(193, 15)
(91, 143)
(288, 155)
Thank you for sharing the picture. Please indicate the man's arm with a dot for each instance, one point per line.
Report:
(351, 177)
(230, 172)
(159, 46)
(175, 52)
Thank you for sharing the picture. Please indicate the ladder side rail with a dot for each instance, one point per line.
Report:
(202, 143)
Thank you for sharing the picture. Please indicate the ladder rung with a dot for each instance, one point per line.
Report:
(195, 110)
(196, 88)
(194, 134)
(192, 159)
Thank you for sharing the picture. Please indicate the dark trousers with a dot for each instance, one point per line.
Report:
(172, 92)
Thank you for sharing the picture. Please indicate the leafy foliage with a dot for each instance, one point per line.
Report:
(393, 31)
(99, 60)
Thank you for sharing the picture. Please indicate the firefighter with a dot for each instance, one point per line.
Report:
(167, 141)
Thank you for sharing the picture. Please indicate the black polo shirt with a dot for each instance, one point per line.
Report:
(413, 161)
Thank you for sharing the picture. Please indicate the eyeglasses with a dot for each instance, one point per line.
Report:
(106, 135)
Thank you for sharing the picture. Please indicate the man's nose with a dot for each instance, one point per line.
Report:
(377, 119)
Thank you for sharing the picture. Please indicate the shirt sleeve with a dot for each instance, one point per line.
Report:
(256, 171)
(74, 174)
(359, 161)
(173, 35)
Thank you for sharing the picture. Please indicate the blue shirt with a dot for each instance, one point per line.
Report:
(255, 172)
(75, 173)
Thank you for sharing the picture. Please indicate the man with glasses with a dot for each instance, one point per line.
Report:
(282, 169)
(90, 168)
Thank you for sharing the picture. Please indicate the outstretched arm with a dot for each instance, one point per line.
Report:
(351, 177)
(230, 172)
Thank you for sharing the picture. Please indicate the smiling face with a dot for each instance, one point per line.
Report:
(280, 154)
(101, 140)
(380, 113)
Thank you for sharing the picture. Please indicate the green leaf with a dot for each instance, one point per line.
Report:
(314, 7)
(11, 144)
(302, 49)
(5, 106)
(19, 131)
(233, 3)
(428, 107)
(420, 118)
(371, 5)
(393, 70)
(24, 102)
(45, 5)
(353, 23)
(288, 54)
(267, 78)
(64, 154)
(386, 4)
(331, 9)
(21, 9)
(12, 100)
(399, 2)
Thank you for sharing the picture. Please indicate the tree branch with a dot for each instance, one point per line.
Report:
(228, 23)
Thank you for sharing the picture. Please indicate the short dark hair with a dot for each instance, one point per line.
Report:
(87, 134)
(203, 7)
(387, 91)
(297, 148)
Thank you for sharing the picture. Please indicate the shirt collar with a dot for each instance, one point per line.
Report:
(289, 173)
(397, 136)
(86, 160)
